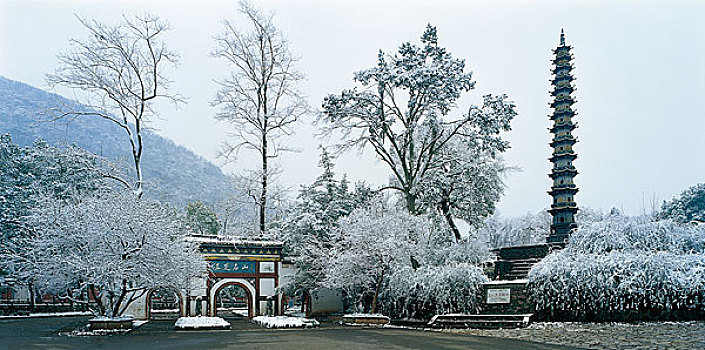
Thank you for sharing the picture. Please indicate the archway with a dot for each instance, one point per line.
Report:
(164, 303)
(234, 297)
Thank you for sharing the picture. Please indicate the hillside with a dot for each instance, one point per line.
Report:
(172, 173)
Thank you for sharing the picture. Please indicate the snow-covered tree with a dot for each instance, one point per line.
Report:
(201, 218)
(112, 244)
(240, 211)
(25, 172)
(623, 264)
(260, 97)
(119, 70)
(466, 184)
(370, 245)
(403, 111)
(380, 250)
(498, 231)
(686, 207)
(315, 215)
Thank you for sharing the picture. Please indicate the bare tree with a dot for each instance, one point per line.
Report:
(259, 98)
(120, 70)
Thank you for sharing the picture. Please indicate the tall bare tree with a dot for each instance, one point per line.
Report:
(120, 71)
(259, 98)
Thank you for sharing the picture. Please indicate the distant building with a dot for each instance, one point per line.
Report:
(563, 208)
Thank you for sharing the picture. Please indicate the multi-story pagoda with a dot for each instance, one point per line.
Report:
(563, 208)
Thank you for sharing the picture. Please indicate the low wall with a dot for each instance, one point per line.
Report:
(505, 297)
(619, 316)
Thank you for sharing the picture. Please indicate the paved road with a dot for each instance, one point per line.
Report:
(42, 333)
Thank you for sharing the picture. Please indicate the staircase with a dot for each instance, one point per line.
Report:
(515, 269)
(514, 263)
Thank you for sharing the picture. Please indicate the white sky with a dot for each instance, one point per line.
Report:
(640, 69)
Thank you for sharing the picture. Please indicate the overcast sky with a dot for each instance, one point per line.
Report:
(640, 69)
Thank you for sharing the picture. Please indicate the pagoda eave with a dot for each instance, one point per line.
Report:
(566, 141)
(572, 210)
(568, 156)
(553, 176)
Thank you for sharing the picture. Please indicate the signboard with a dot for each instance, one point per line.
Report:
(498, 296)
(266, 267)
(225, 266)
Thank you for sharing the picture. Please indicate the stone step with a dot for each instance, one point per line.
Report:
(489, 321)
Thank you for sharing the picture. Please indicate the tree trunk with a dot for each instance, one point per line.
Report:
(98, 299)
(138, 188)
(116, 306)
(444, 206)
(376, 296)
(410, 201)
(31, 297)
(263, 195)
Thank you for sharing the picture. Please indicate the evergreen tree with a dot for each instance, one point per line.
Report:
(201, 218)
(315, 215)
(40, 169)
(686, 207)
(27, 173)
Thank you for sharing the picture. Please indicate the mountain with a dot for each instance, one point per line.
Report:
(172, 173)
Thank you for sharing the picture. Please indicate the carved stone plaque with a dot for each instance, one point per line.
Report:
(498, 296)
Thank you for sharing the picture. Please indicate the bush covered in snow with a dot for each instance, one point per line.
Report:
(432, 290)
(621, 266)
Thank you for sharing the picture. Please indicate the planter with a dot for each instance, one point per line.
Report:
(362, 319)
(107, 323)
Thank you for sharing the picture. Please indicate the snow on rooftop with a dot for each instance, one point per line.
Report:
(231, 240)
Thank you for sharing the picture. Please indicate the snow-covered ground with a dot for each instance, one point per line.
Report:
(361, 319)
(201, 322)
(52, 314)
(165, 311)
(112, 319)
(285, 322)
(294, 311)
(241, 311)
(607, 335)
(86, 331)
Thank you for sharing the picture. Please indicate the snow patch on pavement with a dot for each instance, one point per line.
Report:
(285, 322)
(201, 322)
(52, 314)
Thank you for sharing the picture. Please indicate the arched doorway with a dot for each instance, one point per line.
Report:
(232, 301)
(232, 298)
(164, 303)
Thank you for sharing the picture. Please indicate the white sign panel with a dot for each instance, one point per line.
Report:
(498, 296)
(266, 267)
(266, 287)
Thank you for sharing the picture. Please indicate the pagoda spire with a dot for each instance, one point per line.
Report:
(563, 208)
